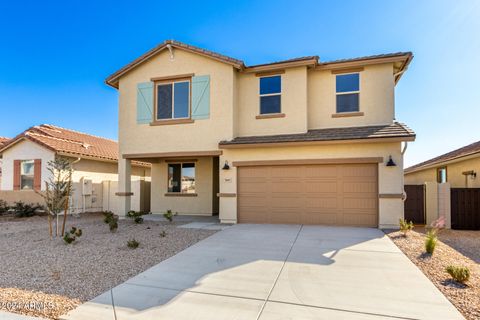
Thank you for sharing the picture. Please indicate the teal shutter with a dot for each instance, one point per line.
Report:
(144, 102)
(201, 97)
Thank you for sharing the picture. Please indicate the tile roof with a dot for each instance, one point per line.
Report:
(69, 142)
(3, 140)
(455, 154)
(112, 80)
(395, 130)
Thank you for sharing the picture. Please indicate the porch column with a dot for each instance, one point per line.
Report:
(124, 193)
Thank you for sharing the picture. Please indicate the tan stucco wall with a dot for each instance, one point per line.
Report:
(200, 135)
(202, 204)
(454, 174)
(376, 98)
(390, 178)
(293, 105)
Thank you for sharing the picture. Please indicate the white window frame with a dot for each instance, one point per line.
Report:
(347, 92)
(27, 175)
(172, 83)
(269, 94)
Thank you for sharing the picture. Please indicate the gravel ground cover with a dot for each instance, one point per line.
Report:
(466, 298)
(47, 278)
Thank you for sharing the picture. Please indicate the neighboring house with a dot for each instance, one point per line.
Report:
(25, 168)
(459, 168)
(295, 141)
(3, 141)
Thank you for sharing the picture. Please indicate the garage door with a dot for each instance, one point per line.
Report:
(337, 194)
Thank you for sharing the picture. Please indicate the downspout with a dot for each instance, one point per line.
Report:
(75, 162)
(404, 196)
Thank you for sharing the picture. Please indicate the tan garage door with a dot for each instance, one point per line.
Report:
(337, 194)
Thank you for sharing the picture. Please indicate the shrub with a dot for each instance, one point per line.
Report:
(459, 274)
(23, 210)
(72, 235)
(3, 206)
(431, 241)
(169, 215)
(111, 219)
(107, 216)
(163, 234)
(136, 215)
(405, 226)
(138, 220)
(133, 244)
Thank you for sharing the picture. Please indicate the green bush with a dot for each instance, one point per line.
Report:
(169, 215)
(136, 216)
(405, 226)
(111, 219)
(459, 274)
(133, 244)
(431, 241)
(138, 220)
(107, 216)
(163, 234)
(72, 235)
(23, 210)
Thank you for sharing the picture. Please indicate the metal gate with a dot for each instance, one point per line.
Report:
(465, 208)
(415, 203)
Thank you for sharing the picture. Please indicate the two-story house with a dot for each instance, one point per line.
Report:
(298, 141)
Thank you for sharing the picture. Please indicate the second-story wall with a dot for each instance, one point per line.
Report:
(376, 98)
(203, 134)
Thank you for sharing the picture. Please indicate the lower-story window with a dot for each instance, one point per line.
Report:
(181, 177)
(26, 174)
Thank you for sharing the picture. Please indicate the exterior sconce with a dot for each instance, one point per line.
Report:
(390, 162)
(226, 166)
(470, 173)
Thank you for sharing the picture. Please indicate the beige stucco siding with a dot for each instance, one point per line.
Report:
(200, 135)
(454, 174)
(389, 178)
(293, 105)
(376, 98)
(201, 204)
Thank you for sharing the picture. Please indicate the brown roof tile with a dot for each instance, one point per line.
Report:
(377, 56)
(3, 140)
(69, 142)
(395, 130)
(455, 154)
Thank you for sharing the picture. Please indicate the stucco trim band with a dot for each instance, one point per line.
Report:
(390, 196)
(124, 194)
(226, 195)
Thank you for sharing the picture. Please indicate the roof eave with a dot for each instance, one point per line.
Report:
(335, 65)
(282, 65)
(443, 162)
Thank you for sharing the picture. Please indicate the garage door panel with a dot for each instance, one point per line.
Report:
(345, 194)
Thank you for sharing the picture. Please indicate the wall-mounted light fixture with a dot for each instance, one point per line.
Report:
(226, 166)
(390, 162)
(470, 173)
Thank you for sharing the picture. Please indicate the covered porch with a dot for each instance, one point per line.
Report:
(185, 182)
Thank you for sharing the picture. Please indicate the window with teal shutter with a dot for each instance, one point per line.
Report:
(144, 102)
(201, 97)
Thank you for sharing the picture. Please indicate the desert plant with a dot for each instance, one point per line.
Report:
(58, 190)
(138, 220)
(107, 216)
(3, 206)
(111, 219)
(136, 216)
(169, 215)
(459, 274)
(405, 226)
(133, 244)
(72, 235)
(431, 241)
(23, 210)
(163, 234)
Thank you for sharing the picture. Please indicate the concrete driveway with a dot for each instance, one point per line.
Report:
(278, 272)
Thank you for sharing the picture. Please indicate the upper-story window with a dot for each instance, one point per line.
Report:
(27, 173)
(270, 94)
(172, 100)
(442, 175)
(348, 91)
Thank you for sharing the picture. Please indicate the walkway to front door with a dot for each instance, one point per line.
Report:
(278, 272)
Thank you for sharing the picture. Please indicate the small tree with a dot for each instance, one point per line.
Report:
(58, 191)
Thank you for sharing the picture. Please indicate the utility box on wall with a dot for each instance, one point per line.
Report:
(87, 186)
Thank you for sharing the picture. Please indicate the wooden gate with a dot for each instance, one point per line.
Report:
(415, 203)
(465, 208)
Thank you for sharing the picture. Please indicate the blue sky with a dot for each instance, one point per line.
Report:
(55, 55)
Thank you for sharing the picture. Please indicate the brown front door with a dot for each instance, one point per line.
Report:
(337, 194)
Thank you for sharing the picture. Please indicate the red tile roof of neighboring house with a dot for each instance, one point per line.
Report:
(3, 141)
(69, 142)
(113, 79)
(468, 150)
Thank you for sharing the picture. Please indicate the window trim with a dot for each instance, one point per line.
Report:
(32, 175)
(348, 92)
(172, 81)
(260, 114)
(181, 193)
(438, 174)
